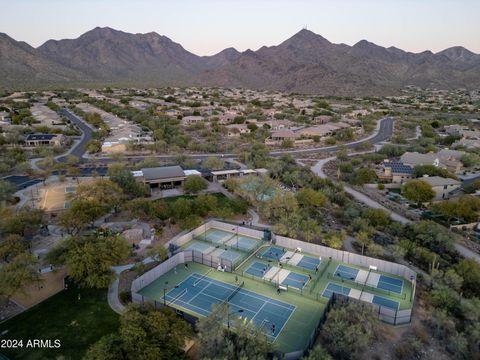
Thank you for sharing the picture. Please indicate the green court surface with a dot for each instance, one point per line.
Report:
(297, 329)
(299, 281)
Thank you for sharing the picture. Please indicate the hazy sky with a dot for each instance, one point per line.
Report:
(208, 26)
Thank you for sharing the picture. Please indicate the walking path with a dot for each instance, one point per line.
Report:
(318, 169)
(113, 300)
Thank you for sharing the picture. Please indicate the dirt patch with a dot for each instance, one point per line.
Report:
(35, 294)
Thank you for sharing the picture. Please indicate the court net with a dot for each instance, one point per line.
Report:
(202, 277)
(237, 289)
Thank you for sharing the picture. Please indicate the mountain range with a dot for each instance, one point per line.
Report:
(305, 63)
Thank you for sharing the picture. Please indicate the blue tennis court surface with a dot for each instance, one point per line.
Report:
(273, 253)
(296, 280)
(334, 288)
(390, 284)
(257, 269)
(216, 236)
(230, 255)
(346, 272)
(198, 294)
(246, 243)
(198, 246)
(385, 302)
(309, 262)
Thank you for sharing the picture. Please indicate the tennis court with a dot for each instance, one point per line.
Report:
(335, 288)
(198, 293)
(273, 253)
(295, 280)
(379, 300)
(278, 275)
(200, 247)
(309, 263)
(390, 284)
(231, 255)
(216, 236)
(258, 269)
(346, 272)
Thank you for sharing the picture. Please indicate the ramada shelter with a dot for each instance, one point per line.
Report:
(166, 177)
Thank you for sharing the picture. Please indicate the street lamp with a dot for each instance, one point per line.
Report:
(239, 311)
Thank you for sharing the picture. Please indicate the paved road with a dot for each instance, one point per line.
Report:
(383, 131)
(81, 146)
(318, 169)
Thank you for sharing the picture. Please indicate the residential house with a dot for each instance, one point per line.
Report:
(445, 159)
(45, 139)
(235, 130)
(396, 172)
(443, 187)
(191, 120)
(276, 137)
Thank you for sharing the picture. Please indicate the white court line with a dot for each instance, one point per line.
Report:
(265, 301)
(251, 294)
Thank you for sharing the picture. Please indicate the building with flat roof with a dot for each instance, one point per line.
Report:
(165, 177)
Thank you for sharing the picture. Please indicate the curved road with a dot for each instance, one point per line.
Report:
(382, 132)
(80, 147)
(318, 169)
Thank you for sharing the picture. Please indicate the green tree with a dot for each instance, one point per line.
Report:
(377, 218)
(89, 258)
(433, 236)
(470, 159)
(105, 192)
(24, 222)
(335, 239)
(432, 170)
(144, 334)
(213, 163)
(469, 270)
(17, 274)
(318, 353)
(418, 191)
(194, 184)
(94, 146)
(310, 198)
(348, 331)
(11, 246)
(7, 189)
(363, 176)
(119, 174)
(242, 341)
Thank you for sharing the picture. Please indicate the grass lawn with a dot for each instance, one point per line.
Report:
(76, 323)
(222, 199)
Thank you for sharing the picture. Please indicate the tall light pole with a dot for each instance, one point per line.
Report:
(239, 311)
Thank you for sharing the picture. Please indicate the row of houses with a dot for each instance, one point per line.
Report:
(398, 172)
(122, 132)
(470, 139)
(306, 133)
